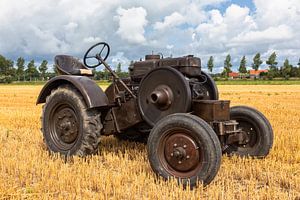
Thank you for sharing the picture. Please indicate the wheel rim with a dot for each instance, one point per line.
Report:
(180, 154)
(64, 126)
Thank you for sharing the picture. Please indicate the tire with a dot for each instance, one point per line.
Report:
(210, 85)
(177, 135)
(257, 127)
(68, 127)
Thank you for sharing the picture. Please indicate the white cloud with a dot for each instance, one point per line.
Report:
(92, 40)
(277, 12)
(170, 46)
(71, 26)
(40, 29)
(175, 19)
(120, 58)
(270, 35)
(131, 24)
(239, 32)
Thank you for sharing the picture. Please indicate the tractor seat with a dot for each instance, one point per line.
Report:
(69, 65)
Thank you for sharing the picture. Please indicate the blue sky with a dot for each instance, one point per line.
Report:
(40, 30)
(225, 4)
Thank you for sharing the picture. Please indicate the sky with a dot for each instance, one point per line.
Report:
(40, 30)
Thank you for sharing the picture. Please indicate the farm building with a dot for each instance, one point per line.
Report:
(252, 74)
(234, 75)
(237, 75)
(256, 73)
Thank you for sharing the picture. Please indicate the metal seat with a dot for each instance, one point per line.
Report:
(69, 65)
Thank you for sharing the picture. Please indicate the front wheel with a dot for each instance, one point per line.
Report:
(258, 130)
(185, 147)
(68, 126)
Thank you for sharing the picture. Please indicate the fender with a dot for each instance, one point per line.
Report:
(92, 94)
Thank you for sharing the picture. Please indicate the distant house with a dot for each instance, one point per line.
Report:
(256, 73)
(233, 75)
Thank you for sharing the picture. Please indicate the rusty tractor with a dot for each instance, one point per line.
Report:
(169, 103)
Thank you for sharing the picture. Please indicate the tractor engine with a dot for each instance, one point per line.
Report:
(164, 86)
(189, 65)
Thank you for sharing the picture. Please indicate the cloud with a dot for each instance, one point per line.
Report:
(270, 35)
(38, 29)
(175, 19)
(131, 24)
(91, 39)
(239, 32)
(120, 58)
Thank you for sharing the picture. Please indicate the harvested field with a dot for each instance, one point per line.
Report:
(122, 171)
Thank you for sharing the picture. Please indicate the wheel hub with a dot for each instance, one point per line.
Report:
(181, 152)
(162, 97)
(250, 135)
(66, 125)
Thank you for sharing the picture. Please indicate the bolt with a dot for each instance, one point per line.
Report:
(179, 162)
(172, 154)
(175, 145)
(184, 146)
(244, 145)
(187, 157)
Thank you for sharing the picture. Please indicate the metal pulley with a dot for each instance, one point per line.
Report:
(163, 91)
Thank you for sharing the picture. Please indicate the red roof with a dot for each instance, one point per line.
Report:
(233, 74)
(257, 72)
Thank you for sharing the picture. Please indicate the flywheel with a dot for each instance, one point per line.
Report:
(163, 91)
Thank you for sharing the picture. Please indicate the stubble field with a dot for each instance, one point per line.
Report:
(121, 170)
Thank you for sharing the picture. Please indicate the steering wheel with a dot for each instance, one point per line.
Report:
(99, 49)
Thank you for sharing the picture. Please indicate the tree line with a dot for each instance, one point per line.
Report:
(31, 72)
(285, 71)
(23, 71)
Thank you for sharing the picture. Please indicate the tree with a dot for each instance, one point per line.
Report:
(299, 63)
(286, 70)
(7, 70)
(20, 68)
(210, 64)
(43, 68)
(227, 65)
(31, 70)
(105, 74)
(256, 62)
(119, 69)
(242, 68)
(273, 70)
(272, 60)
(295, 71)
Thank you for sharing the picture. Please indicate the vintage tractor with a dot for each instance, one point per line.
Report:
(168, 102)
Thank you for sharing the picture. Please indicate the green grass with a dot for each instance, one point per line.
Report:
(219, 82)
(102, 83)
(259, 82)
(25, 83)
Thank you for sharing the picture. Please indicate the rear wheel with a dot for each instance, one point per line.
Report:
(185, 147)
(68, 126)
(209, 86)
(258, 130)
